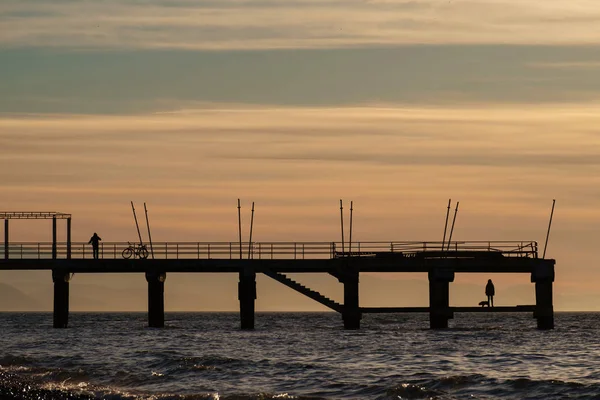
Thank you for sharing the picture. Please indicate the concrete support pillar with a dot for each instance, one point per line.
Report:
(61, 280)
(247, 297)
(156, 298)
(54, 238)
(351, 314)
(6, 239)
(439, 298)
(543, 277)
(69, 238)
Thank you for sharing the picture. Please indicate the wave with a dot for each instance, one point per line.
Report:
(32, 384)
(547, 389)
(10, 360)
(412, 391)
(386, 360)
(15, 387)
(29, 383)
(476, 385)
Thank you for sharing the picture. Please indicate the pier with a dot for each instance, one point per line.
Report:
(440, 261)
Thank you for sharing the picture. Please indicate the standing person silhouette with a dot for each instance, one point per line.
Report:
(490, 291)
(95, 242)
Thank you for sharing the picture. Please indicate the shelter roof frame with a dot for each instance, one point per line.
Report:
(53, 215)
(33, 215)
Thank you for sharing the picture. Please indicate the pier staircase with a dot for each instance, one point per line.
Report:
(313, 294)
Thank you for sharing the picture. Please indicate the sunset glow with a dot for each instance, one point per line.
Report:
(395, 105)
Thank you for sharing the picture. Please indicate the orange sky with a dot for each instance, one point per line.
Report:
(399, 165)
(396, 105)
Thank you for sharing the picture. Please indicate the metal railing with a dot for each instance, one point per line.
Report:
(272, 250)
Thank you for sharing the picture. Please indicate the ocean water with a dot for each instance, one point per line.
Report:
(298, 355)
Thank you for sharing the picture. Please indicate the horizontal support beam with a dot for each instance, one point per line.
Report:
(508, 265)
(505, 309)
(501, 309)
(389, 310)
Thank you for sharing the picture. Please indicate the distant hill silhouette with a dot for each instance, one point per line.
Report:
(12, 299)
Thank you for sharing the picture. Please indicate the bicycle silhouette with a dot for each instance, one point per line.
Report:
(135, 250)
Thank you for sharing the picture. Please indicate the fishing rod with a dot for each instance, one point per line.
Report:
(136, 224)
(446, 225)
(240, 226)
(549, 226)
(350, 239)
(342, 223)
(149, 235)
(251, 226)
(452, 229)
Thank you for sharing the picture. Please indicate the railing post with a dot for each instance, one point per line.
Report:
(38, 250)
(177, 251)
(6, 253)
(271, 251)
(69, 238)
(115, 251)
(198, 250)
(208, 250)
(53, 238)
(294, 250)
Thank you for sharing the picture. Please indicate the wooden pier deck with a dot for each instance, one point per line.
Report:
(441, 261)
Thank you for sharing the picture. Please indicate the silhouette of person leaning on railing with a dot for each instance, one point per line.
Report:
(490, 291)
(95, 242)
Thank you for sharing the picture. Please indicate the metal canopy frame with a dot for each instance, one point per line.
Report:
(53, 215)
(33, 215)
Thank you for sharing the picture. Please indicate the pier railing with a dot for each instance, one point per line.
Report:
(273, 250)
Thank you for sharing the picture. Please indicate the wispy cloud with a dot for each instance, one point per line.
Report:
(274, 24)
(399, 165)
(269, 145)
(119, 82)
(572, 65)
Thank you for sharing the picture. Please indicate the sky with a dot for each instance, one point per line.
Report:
(395, 105)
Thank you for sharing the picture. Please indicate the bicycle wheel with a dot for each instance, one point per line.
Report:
(127, 253)
(143, 252)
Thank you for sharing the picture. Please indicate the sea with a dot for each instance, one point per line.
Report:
(298, 356)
